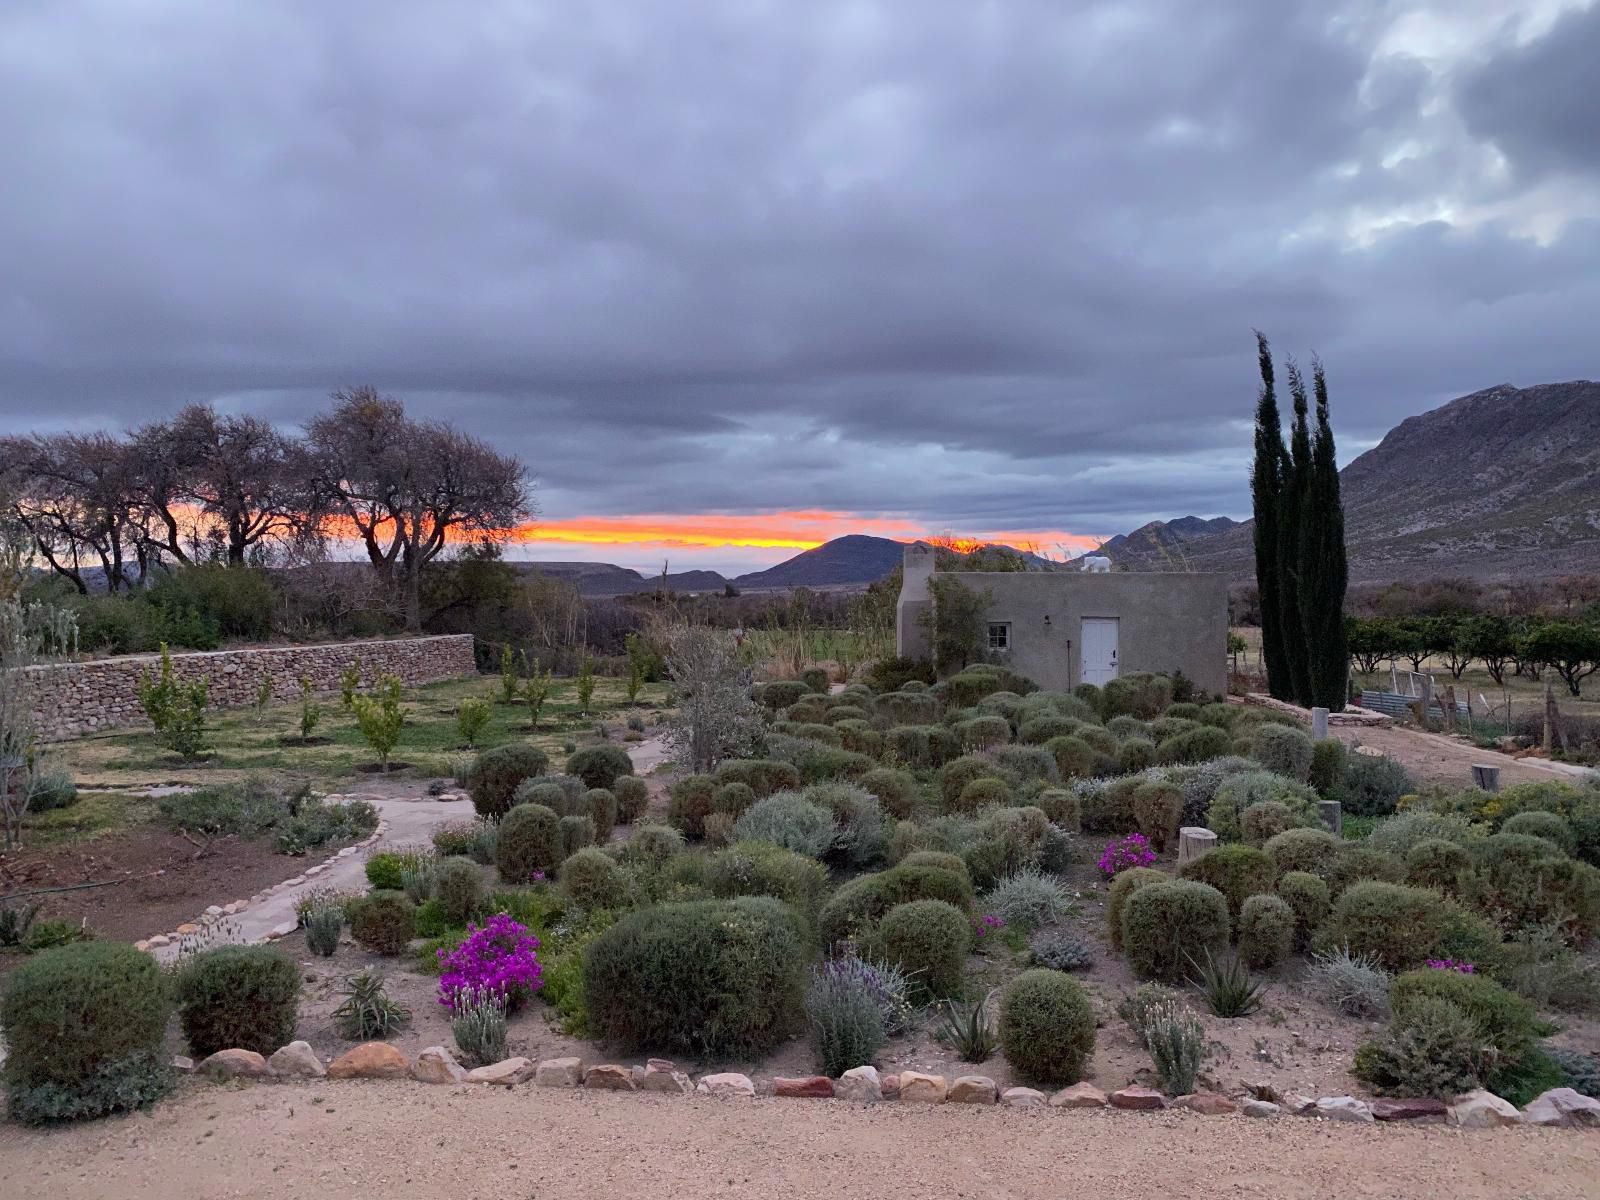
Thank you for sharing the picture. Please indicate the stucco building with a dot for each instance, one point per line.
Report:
(1062, 628)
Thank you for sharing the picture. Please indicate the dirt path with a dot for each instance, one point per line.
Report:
(405, 1139)
(1436, 758)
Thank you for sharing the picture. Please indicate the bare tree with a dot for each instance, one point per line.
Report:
(406, 487)
(717, 717)
(29, 635)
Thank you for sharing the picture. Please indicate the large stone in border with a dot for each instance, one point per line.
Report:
(234, 1064)
(1563, 1108)
(805, 1087)
(1140, 1099)
(1079, 1095)
(1345, 1108)
(973, 1089)
(1480, 1109)
(1208, 1104)
(859, 1084)
(726, 1083)
(559, 1072)
(891, 1087)
(1023, 1097)
(296, 1060)
(1259, 1108)
(608, 1077)
(662, 1075)
(917, 1088)
(1419, 1108)
(1298, 1105)
(437, 1065)
(508, 1072)
(370, 1060)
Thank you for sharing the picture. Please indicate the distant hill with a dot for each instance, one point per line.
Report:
(855, 558)
(608, 579)
(1505, 481)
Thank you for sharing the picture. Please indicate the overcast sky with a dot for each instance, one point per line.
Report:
(744, 271)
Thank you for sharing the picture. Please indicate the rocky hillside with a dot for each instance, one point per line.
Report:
(854, 558)
(1504, 481)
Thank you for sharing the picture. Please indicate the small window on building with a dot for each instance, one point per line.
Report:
(999, 635)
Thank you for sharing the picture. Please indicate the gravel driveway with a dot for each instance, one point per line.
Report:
(299, 1141)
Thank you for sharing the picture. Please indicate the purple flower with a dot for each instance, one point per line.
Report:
(499, 958)
(1131, 851)
(537, 877)
(983, 926)
(1450, 964)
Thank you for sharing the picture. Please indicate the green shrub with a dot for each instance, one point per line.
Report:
(1238, 792)
(844, 1015)
(719, 978)
(458, 888)
(1028, 900)
(1195, 746)
(1263, 821)
(1124, 885)
(733, 799)
(1046, 1027)
(237, 996)
(1136, 754)
(1373, 785)
(921, 745)
(575, 833)
(84, 1030)
(550, 793)
(1398, 926)
(633, 797)
(762, 869)
(896, 790)
(653, 845)
(429, 921)
(860, 837)
(1238, 872)
(590, 878)
(493, 778)
(1437, 864)
(1167, 925)
(690, 801)
(1157, 809)
(1106, 806)
(602, 809)
(385, 868)
(781, 693)
(906, 708)
(1075, 758)
(860, 738)
(1028, 764)
(383, 922)
(1329, 761)
(856, 907)
(1266, 931)
(1547, 825)
(1356, 863)
(816, 762)
(1140, 695)
(982, 793)
(839, 714)
(1399, 833)
(936, 858)
(1310, 850)
(529, 840)
(789, 820)
(956, 774)
(1125, 727)
(1435, 1050)
(1038, 730)
(894, 674)
(763, 776)
(1307, 896)
(1527, 882)
(1283, 750)
(815, 679)
(983, 732)
(600, 766)
(929, 940)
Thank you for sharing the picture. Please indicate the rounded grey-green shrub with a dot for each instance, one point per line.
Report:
(763, 776)
(762, 869)
(1437, 864)
(1309, 850)
(1283, 750)
(591, 879)
(1550, 826)
(529, 840)
(237, 996)
(929, 940)
(1307, 897)
(1373, 785)
(1266, 931)
(1046, 1027)
(602, 809)
(576, 831)
(382, 921)
(633, 797)
(982, 793)
(495, 774)
(1124, 885)
(1398, 926)
(458, 887)
(600, 766)
(896, 790)
(1167, 925)
(789, 820)
(1238, 872)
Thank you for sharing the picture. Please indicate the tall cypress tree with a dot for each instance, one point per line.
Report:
(1291, 531)
(1324, 571)
(1266, 487)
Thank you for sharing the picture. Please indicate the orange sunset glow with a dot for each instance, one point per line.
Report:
(789, 530)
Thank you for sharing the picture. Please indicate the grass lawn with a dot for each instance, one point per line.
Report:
(245, 743)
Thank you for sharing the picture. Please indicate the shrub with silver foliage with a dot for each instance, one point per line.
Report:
(789, 820)
(478, 1024)
(716, 716)
(1352, 983)
(1028, 900)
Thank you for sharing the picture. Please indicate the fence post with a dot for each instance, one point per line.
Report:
(1319, 724)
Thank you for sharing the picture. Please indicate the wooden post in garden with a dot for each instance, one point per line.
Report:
(1449, 707)
(1486, 776)
(1423, 702)
(1319, 724)
(1552, 719)
(1193, 841)
(1332, 813)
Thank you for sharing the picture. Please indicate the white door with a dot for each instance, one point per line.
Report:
(1099, 649)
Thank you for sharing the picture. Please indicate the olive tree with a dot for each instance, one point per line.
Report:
(717, 716)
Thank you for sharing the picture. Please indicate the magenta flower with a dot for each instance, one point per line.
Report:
(1450, 964)
(983, 926)
(499, 958)
(1131, 851)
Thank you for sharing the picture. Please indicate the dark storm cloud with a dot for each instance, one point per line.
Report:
(1536, 101)
(990, 266)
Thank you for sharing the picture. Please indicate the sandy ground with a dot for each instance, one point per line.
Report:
(405, 1139)
(1435, 758)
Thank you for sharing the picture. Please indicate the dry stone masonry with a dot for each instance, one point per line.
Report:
(83, 697)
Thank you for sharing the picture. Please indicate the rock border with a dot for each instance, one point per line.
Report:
(1558, 1108)
(218, 912)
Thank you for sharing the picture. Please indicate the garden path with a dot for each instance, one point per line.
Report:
(400, 1138)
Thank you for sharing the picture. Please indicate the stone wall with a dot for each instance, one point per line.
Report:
(78, 698)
